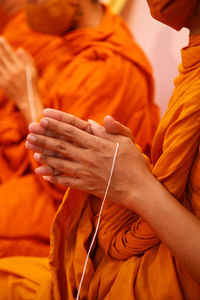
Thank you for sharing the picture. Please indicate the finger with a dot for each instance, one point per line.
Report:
(101, 132)
(67, 118)
(67, 181)
(113, 126)
(47, 171)
(36, 128)
(5, 84)
(31, 147)
(73, 134)
(62, 165)
(9, 55)
(5, 64)
(58, 146)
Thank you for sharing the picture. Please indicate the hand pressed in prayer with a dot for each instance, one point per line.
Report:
(13, 74)
(86, 158)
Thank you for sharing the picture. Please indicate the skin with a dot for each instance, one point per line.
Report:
(13, 79)
(88, 13)
(13, 66)
(12, 6)
(66, 146)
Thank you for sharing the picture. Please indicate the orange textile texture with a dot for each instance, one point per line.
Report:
(4, 18)
(25, 278)
(89, 73)
(175, 13)
(128, 261)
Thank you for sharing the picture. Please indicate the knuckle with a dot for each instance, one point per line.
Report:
(78, 171)
(68, 131)
(97, 146)
(89, 159)
(88, 187)
(56, 172)
(61, 146)
(126, 144)
(73, 121)
(44, 158)
(59, 165)
(53, 124)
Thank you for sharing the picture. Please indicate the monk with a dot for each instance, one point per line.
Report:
(86, 63)
(150, 249)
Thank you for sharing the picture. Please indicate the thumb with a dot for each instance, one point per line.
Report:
(115, 127)
(100, 131)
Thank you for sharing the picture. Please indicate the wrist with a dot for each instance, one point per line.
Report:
(141, 198)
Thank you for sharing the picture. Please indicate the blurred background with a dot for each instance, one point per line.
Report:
(160, 43)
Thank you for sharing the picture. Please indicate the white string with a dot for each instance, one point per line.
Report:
(99, 219)
(30, 94)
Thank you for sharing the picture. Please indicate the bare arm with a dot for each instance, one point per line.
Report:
(177, 227)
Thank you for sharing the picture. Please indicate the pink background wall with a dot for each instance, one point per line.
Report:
(161, 44)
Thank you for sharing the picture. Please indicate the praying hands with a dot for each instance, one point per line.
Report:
(18, 78)
(75, 157)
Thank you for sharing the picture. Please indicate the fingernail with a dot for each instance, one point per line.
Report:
(37, 156)
(37, 170)
(27, 145)
(47, 178)
(44, 122)
(110, 117)
(94, 124)
(31, 138)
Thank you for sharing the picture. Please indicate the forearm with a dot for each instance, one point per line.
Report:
(178, 228)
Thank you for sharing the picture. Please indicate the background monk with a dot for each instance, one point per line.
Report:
(150, 249)
(91, 68)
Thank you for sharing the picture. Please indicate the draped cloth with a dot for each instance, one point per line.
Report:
(90, 73)
(25, 278)
(4, 19)
(175, 13)
(128, 260)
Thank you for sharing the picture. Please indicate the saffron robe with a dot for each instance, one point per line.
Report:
(90, 73)
(128, 261)
(4, 19)
(175, 13)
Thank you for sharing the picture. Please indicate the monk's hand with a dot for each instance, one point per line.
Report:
(15, 66)
(36, 128)
(87, 160)
(110, 126)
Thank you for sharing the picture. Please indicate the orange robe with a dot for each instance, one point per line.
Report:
(175, 13)
(128, 261)
(89, 73)
(4, 19)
